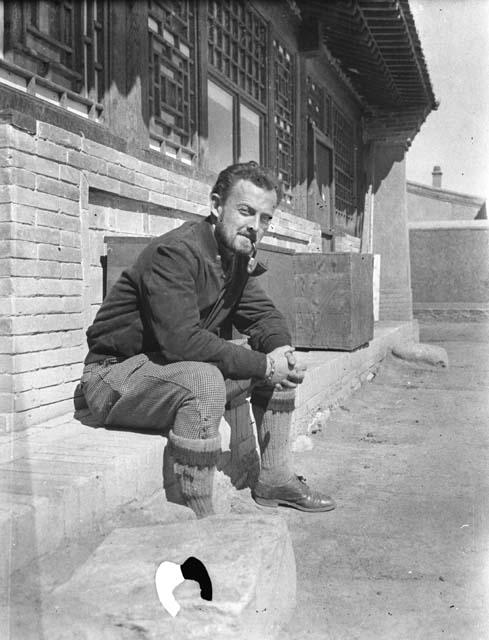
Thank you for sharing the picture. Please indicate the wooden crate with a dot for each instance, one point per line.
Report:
(326, 298)
(122, 252)
(333, 300)
(278, 280)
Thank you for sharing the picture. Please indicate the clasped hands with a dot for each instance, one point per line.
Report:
(289, 371)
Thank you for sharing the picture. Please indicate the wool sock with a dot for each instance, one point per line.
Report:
(195, 463)
(196, 486)
(273, 416)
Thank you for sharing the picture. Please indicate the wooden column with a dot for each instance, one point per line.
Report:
(127, 104)
(202, 99)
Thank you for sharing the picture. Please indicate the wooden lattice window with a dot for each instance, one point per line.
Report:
(57, 51)
(315, 103)
(172, 86)
(344, 170)
(237, 42)
(318, 106)
(284, 114)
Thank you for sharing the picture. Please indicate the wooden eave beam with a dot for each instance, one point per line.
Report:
(378, 52)
(414, 50)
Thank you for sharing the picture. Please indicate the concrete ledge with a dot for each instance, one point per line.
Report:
(62, 479)
(333, 375)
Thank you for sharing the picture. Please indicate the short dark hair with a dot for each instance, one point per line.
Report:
(252, 171)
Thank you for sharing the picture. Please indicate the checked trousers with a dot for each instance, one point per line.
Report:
(184, 401)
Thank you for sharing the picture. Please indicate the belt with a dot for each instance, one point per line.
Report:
(104, 362)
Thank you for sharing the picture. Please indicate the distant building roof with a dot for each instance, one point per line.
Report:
(443, 194)
(476, 203)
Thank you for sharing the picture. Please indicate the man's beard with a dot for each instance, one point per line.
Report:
(239, 244)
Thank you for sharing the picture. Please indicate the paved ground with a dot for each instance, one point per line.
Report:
(405, 554)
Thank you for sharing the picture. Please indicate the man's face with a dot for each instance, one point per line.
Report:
(244, 216)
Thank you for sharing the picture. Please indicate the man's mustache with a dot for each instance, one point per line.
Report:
(251, 236)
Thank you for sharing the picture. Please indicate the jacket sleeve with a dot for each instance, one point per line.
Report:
(171, 311)
(257, 317)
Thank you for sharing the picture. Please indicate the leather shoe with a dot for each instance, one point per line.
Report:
(295, 493)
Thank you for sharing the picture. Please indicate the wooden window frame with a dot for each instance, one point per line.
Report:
(123, 124)
(315, 135)
(324, 127)
(177, 141)
(276, 40)
(338, 169)
(238, 99)
(27, 68)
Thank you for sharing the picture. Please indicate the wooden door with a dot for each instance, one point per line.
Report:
(320, 184)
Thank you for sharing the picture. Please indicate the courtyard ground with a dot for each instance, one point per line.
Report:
(405, 555)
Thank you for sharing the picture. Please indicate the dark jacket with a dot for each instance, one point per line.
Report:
(174, 300)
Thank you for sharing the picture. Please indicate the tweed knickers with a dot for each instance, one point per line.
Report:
(185, 401)
(142, 392)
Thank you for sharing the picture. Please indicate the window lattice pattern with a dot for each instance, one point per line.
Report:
(56, 50)
(172, 100)
(315, 103)
(344, 146)
(318, 106)
(237, 45)
(284, 114)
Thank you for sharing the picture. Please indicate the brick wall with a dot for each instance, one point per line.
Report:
(52, 227)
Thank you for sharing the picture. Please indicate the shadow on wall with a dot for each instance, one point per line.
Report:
(384, 162)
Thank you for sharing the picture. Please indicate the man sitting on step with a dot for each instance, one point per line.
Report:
(156, 360)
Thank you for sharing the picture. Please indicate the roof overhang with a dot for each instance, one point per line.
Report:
(377, 48)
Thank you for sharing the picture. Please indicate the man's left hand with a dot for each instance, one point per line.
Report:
(297, 371)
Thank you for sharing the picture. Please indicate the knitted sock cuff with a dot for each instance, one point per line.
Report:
(195, 452)
(196, 486)
(276, 400)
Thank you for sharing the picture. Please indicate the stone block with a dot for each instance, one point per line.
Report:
(18, 176)
(163, 199)
(71, 271)
(159, 225)
(59, 253)
(35, 164)
(249, 559)
(57, 221)
(93, 148)
(104, 183)
(425, 354)
(120, 173)
(69, 174)
(90, 163)
(70, 239)
(152, 184)
(136, 193)
(31, 198)
(47, 149)
(58, 135)
(69, 206)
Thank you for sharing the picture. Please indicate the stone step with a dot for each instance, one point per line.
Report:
(249, 560)
(60, 481)
(62, 489)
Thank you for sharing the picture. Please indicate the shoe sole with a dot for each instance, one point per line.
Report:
(264, 502)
